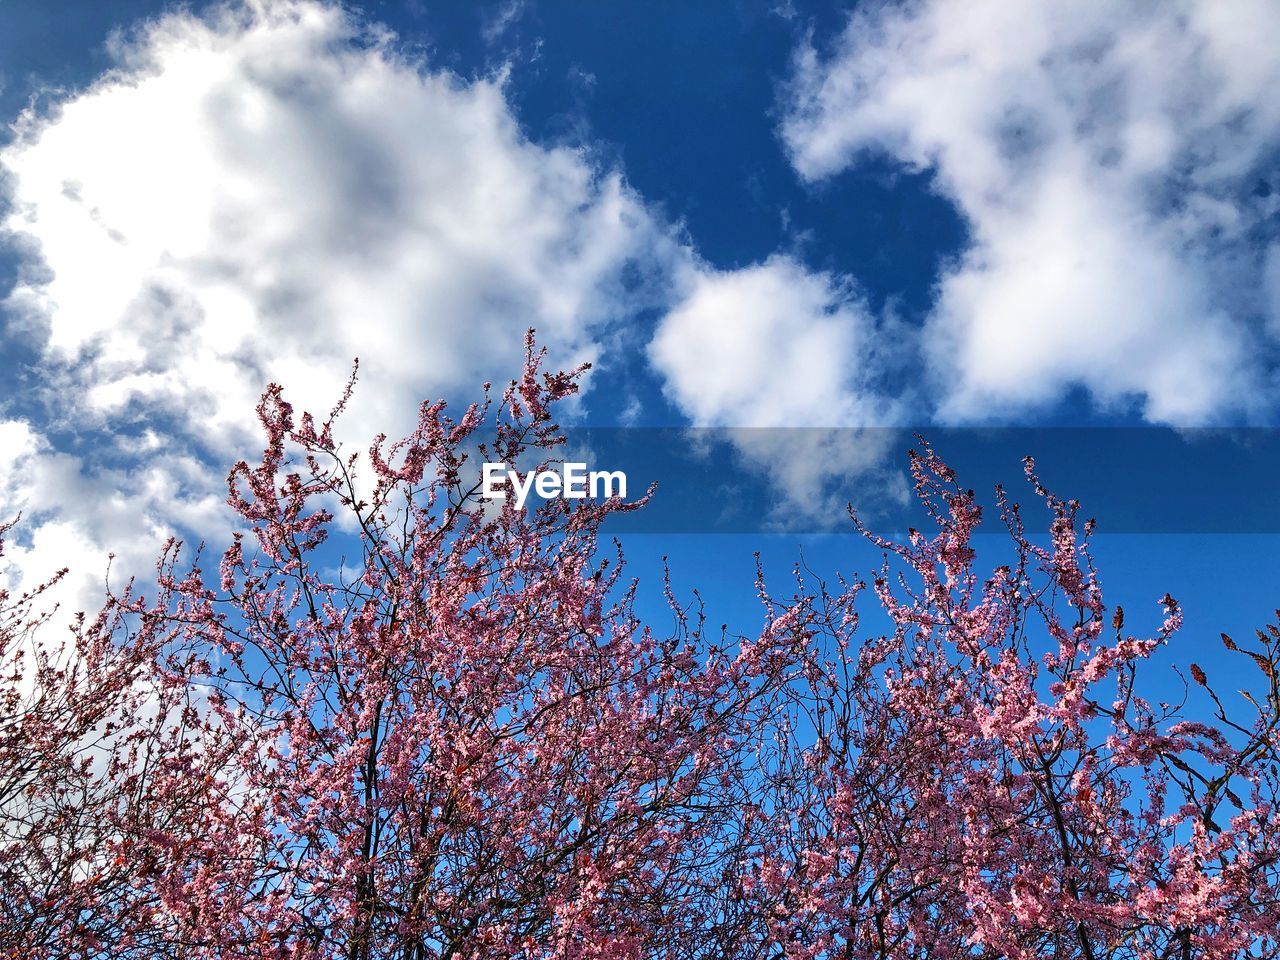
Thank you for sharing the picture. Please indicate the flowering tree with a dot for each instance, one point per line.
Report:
(106, 761)
(467, 745)
(987, 780)
(462, 742)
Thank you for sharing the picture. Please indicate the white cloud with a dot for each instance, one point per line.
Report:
(267, 193)
(74, 516)
(1105, 157)
(507, 15)
(782, 347)
(771, 345)
(1271, 287)
(275, 192)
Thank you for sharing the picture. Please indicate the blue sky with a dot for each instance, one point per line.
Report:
(747, 214)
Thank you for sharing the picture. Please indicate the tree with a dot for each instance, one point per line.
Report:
(988, 781)
(106, 761)
(465, 743)
(468, 744)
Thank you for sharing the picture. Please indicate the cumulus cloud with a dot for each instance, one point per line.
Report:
(76, 514)
(780, 346)
(770, 345)
(1271, 287)
(1111, 163)
(275, 191)
(267, 192)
